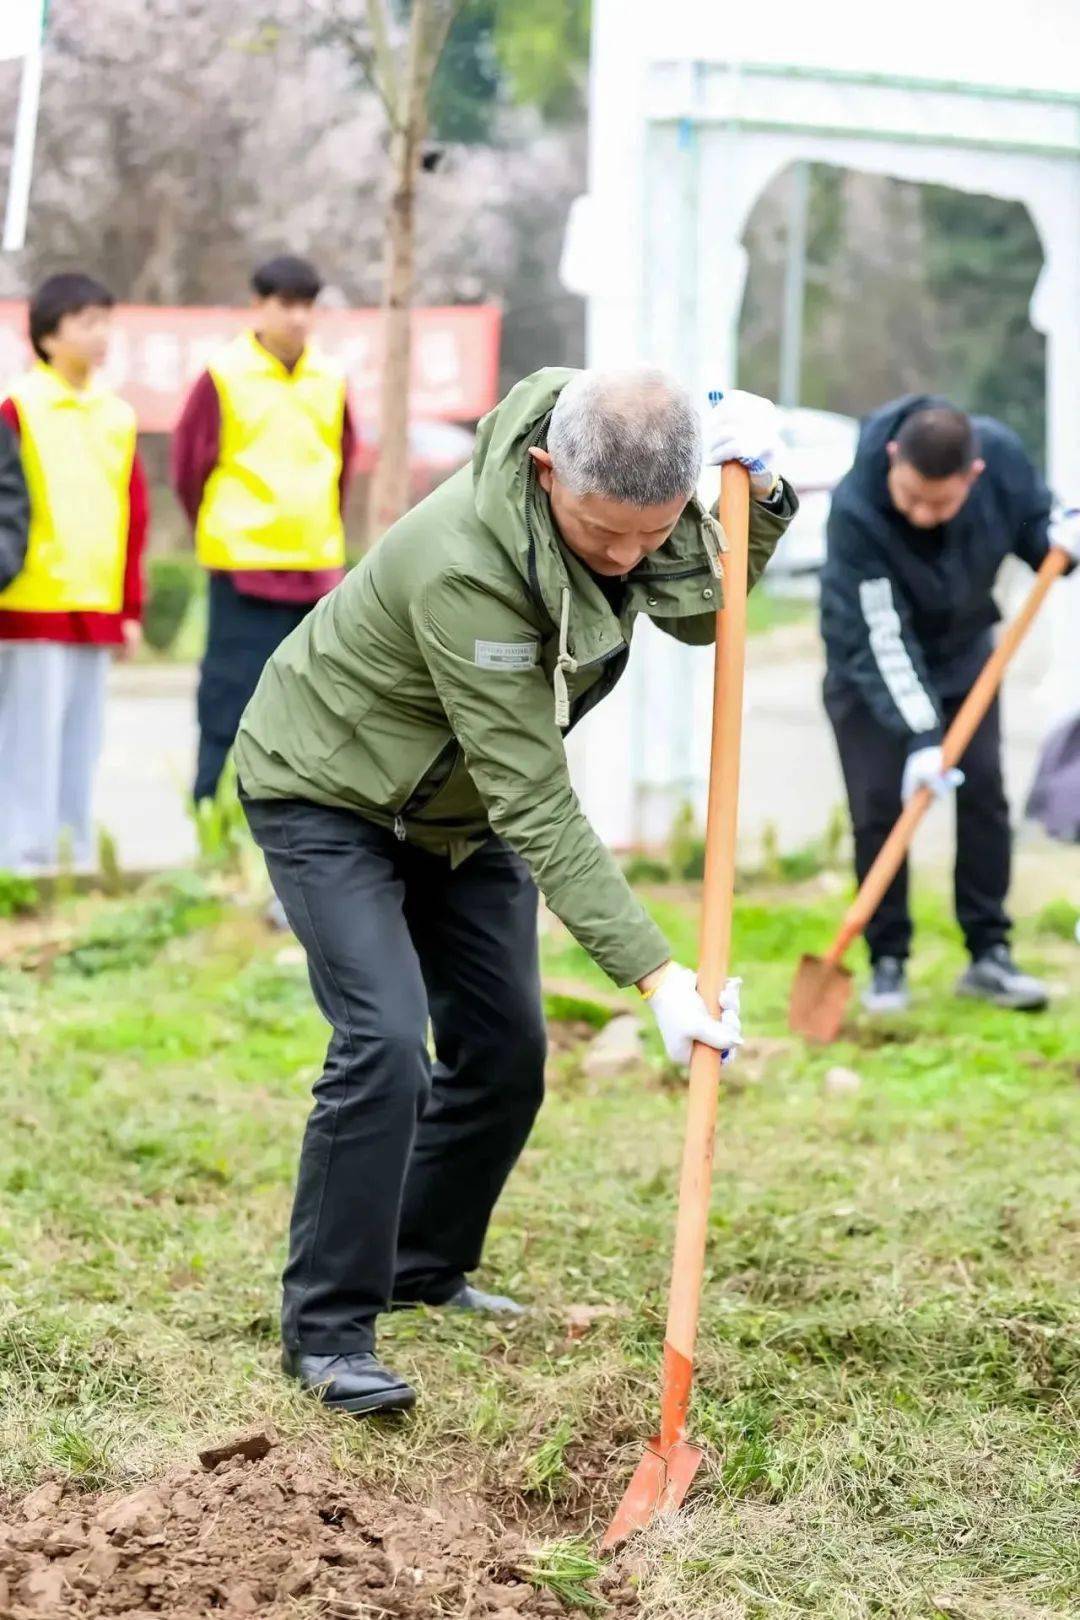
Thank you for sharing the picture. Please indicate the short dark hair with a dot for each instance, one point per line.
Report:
(65, 294)
(287, 277)
(938, 441)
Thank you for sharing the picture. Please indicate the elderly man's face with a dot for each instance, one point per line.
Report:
(609, 536)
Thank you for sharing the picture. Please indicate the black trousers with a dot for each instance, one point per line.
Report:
(402, 1160)
(242, 632)
(872, 760)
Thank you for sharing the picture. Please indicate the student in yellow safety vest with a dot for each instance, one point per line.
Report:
(73, 518)
(261, 458)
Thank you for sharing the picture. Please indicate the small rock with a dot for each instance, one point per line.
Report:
(41, 1501)
(29, 1538)
(580, 1318)
(140, 1514)
(63, 1540)
(839, 1080)
(250, 1446)
(239, 1599)
(42, 1589)
(615, 1049)
(298, 1578)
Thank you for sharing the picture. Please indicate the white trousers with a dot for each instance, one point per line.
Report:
(52, 704)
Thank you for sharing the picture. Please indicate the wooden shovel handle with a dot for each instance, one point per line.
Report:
(695, 1184)
(969, 717)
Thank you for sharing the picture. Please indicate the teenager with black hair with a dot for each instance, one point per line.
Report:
(260, 462)
(73, 517)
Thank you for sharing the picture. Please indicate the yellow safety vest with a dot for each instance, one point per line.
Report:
(77, 448)
(272, 501)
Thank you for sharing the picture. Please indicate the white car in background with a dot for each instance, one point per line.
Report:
(819, 447)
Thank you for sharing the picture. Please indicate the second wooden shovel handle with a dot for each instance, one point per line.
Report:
(969, 717)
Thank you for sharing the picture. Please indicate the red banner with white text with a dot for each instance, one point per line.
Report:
(155, 354)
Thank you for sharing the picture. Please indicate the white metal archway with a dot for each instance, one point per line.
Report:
(683, 142)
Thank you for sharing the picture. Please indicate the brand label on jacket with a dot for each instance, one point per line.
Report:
(506, 654)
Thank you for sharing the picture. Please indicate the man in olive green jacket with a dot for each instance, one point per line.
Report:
(403, 770)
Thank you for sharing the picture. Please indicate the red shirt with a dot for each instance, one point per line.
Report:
(196, 447)
(93, 629)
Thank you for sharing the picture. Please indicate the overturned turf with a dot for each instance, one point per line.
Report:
(271, 1535)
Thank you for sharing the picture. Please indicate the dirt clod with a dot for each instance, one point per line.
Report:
(251, 1446)
(252, 1536)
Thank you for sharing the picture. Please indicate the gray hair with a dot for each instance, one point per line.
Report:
(631, 436)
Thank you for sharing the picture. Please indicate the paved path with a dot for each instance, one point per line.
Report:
(790, 775)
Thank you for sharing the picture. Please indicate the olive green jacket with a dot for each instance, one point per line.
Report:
(430, 691)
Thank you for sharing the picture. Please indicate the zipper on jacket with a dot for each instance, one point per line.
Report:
(417, 799)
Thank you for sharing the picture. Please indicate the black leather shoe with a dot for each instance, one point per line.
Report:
(356, 1382)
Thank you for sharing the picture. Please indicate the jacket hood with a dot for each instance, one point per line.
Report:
(501, 464)
(871, 465)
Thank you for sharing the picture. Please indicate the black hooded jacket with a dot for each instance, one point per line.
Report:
(14, 508)
(906, 613)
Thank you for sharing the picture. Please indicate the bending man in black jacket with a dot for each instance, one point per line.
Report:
(917, 532)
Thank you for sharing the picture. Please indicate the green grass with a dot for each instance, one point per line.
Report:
(766, 611)
(889, 1366)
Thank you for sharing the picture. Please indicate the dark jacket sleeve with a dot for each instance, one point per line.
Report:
(866, 623)
(1029, 501)
(14, 498)
(768, 520)
(196, 445)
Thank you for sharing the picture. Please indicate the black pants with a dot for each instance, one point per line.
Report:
(872, 760)
(242, 632)
(402, 1160)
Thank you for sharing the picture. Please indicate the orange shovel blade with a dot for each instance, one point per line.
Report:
(659, 1485)
(819, 999)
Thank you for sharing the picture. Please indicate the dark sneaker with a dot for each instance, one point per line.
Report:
(995, 977)
(356, 1382)
(887, 991)
(467, 1298)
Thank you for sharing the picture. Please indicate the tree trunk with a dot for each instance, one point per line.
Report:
(390, 484)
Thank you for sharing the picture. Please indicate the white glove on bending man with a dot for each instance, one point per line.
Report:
(746, 428)
(925, 768)
(683, 1018)
(1064, 531)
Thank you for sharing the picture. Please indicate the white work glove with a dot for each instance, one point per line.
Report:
(744, 427)
(924, 768)
(1065, 531)
(683, 1018)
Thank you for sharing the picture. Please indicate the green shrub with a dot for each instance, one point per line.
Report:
(646, 869)
(1058, 919)
(171, 586)
(18, 895)
(686, 848)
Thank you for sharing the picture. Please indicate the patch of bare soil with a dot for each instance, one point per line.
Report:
(257, 1532)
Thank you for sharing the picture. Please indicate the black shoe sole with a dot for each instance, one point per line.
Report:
(391, 1400)
(1002, 998)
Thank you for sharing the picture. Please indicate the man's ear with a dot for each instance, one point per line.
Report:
(892, 450)
(545, 469)
(976, 470)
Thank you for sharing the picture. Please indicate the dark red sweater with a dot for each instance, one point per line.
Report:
(94, 629)
(196, 447)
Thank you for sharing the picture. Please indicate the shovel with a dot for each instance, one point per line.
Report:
(663, 1475)
(819, 996)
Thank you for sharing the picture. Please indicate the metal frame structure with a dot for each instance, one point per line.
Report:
(682, 146)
